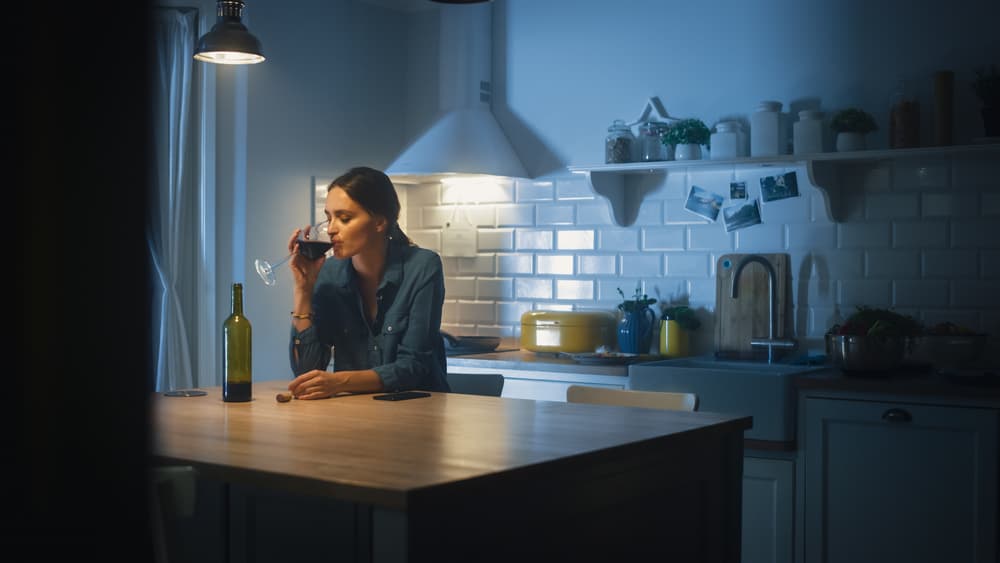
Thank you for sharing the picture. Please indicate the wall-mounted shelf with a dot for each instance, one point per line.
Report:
(626, 185)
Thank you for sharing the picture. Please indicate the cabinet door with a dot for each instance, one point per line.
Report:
(899, 482)
(768, 499)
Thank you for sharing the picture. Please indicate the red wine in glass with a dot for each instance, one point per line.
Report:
(313, 244)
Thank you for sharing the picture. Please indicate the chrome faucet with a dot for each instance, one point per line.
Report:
(772, 303)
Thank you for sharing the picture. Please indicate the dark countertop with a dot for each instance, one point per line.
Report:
(919, 381)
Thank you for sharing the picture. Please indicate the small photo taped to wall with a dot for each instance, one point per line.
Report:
(704, 203)
(737, 190)
(741, 216)
(773, 188)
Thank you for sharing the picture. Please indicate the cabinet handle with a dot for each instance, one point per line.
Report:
(896, 415)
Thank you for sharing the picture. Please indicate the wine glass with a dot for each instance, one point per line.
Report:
(314, 242)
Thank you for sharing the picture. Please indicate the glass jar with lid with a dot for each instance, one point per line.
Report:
(651, 147)
(767, 135)
(726, 141)
(619, 145)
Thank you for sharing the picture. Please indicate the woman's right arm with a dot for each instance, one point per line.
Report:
(306, 352)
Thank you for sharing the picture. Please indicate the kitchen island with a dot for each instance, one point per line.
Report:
(462, 477)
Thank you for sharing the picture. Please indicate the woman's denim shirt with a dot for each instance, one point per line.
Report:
(404, 345)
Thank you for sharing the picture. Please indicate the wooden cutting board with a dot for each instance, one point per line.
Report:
(739, 320)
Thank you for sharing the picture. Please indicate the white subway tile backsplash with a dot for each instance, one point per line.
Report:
(805, 236)
(709, 237)
(943, 205)
(646, 265)
(554, 264)
(916, 293)
(510, 312)
(875, 293)
(477, 311)
(479, 215)
(827, 264)
(765, 237)
(892, 264)
(515, 215)
(688, 264)
(980, 233)
(975, 293)
(890, 205)
(864, 235)
(919, 234)
(496, 239)
(574, 187)
(494, 288)
(532, 288)
(674, 213)
(574, 289)
(575, 240)
(549, 214)
(525, 239)
(650, 213)
(620, 239)
(510, 264)
(921, 174)
(944, 264)
(528, 190)
(426, 239)
(459, 288)
(482, 264)
(601, 265)
(663, 238)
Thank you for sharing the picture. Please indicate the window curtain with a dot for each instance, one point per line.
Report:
(173, 233)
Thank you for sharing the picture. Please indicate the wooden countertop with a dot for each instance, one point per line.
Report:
(380, 452)
(920, 382)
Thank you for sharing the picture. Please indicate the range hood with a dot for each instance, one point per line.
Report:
(466, 139)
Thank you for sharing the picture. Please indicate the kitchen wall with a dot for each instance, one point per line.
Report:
(350, 82)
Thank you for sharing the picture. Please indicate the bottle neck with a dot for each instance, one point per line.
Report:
(237, 299)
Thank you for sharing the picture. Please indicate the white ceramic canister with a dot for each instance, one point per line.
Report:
(807, 132)
(767, 136)
(726, 141)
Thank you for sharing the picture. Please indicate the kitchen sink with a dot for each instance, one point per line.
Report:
(761, 390)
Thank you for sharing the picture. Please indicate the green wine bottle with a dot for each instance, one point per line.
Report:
(237, 338)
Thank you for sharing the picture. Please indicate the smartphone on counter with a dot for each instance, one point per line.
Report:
(401, 396)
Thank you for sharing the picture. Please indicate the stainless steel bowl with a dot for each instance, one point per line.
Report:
(872, 354)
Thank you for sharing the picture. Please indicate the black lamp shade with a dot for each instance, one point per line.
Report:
(229, 41)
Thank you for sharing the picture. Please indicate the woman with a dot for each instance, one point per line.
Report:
(377, 303)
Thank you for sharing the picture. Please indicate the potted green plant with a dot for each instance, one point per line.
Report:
(635, 332)
(987, 89)
(677, 321)
(851, 126)
(687, 136)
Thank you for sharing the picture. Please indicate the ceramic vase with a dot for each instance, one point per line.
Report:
(687, 151)
(635, 331)
(848, 141)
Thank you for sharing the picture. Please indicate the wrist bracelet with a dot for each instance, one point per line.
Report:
(298, 316)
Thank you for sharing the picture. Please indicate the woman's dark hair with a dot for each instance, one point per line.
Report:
(373, 191)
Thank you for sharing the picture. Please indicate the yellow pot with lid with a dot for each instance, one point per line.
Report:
(572, 332)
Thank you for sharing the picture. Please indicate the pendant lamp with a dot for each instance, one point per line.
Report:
(229, 42)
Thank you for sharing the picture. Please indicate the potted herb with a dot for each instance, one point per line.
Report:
(676, 323)
(987, 89)
(635, 332)
(687, 136)
(851, 126)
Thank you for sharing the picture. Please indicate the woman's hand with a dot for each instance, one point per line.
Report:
(316, 384)
(304, 270)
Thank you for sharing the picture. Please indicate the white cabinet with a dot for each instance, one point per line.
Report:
(898, 481)
(768, 508)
